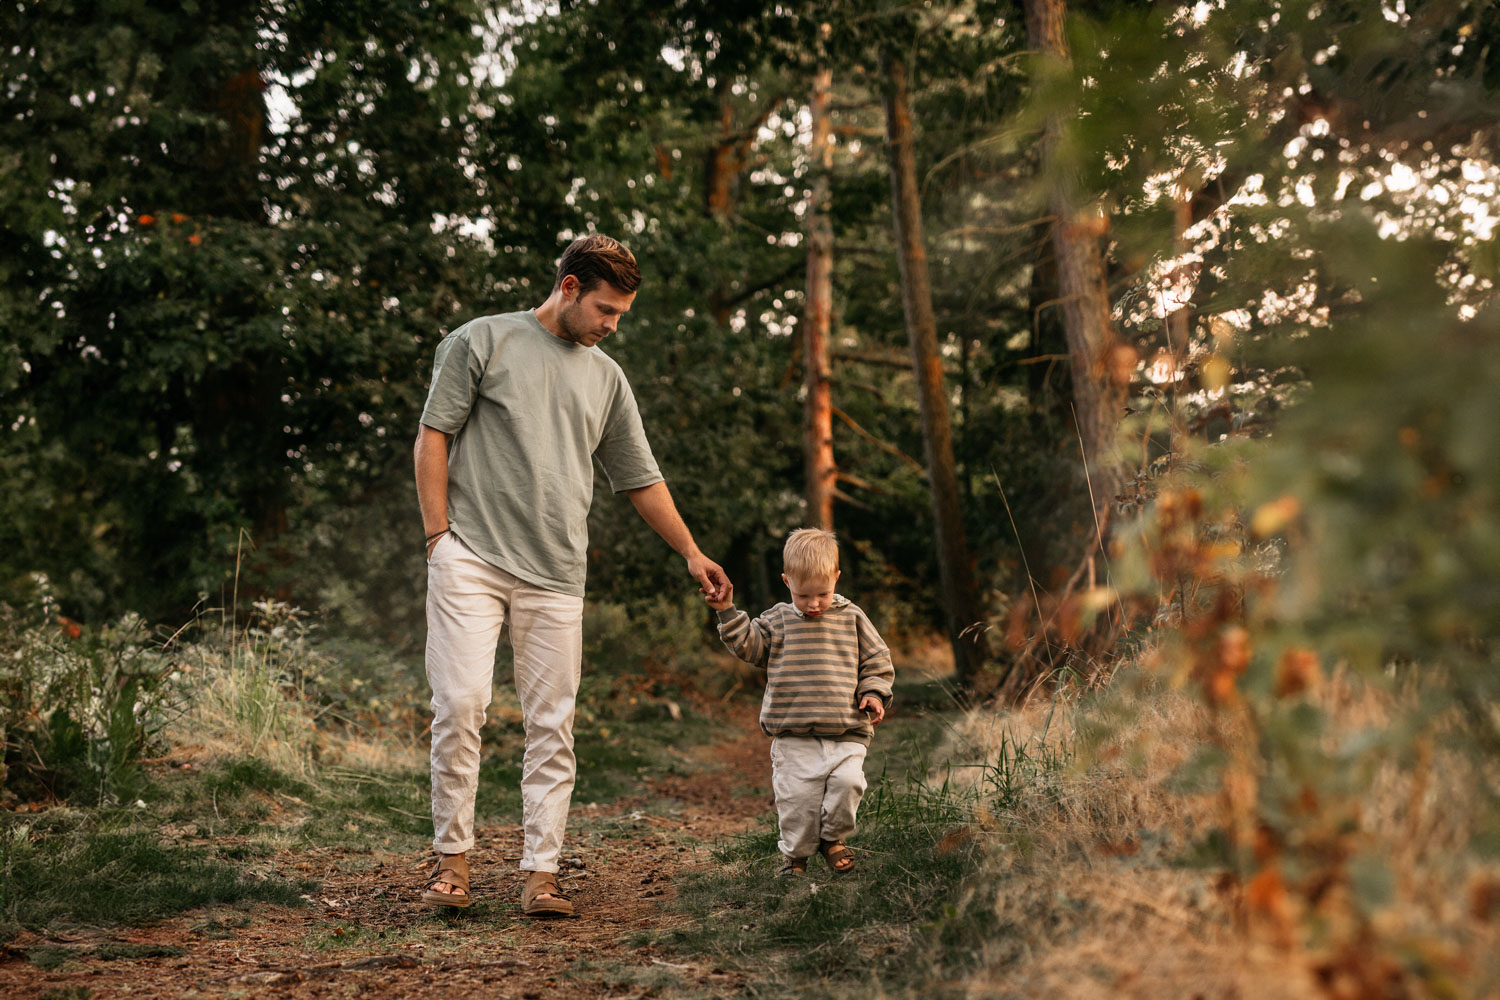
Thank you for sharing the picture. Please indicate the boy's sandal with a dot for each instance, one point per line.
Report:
(544, 884)
(834, 852)
(453, 872)
(792, 866)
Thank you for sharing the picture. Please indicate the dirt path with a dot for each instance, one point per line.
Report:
(366, 933)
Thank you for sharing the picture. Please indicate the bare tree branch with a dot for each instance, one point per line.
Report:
(882, 445)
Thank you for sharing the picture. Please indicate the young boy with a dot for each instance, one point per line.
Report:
(828, 684)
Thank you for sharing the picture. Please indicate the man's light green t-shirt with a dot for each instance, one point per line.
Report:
(529, 412)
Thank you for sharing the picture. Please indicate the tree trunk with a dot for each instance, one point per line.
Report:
(960, 595)
(1100, 366)
(817, 421)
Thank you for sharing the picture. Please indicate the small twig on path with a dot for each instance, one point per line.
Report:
(284, 977)
(405, 813)
(674, 965)
(504, 963)
(384, 962)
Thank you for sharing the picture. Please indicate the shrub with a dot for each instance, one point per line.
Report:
(79, 704)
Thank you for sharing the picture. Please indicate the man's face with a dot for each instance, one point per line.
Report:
(811, 595)
(589, 317)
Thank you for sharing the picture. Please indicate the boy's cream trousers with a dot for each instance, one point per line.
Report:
(818, 784)
(468, 600)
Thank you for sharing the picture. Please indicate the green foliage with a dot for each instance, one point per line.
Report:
(1370, 501)
(79, 704)
(228, 243)
(1321, 472)
(240, 294)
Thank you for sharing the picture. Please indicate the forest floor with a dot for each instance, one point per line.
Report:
(365, 931)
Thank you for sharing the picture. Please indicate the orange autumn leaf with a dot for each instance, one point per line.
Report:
(1215, 373)
(1223, 550)
(1484, 899)
(1297, 671)
(195, 239)
(1266, 892)
(146, 220)
(1265, 843)
(1270, 518)
(1220, 688)
(1234, 649)
(1266, 897)
(1070, 619)
(1230, 658)
(178, 218)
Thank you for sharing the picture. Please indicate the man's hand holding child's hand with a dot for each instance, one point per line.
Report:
(872, 704)
(726, 602)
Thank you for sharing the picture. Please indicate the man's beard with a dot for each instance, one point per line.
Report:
(573, 331)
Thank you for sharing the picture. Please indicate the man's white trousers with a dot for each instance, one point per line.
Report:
(468, 601)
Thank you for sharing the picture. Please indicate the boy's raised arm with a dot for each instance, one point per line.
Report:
(745, 637)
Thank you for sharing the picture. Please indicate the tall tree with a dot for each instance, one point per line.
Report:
(961, 596)
(1098, 396)
(817, 422)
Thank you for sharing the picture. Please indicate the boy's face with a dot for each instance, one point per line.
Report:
(811, 595)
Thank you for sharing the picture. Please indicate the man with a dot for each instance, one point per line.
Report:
(520, 406)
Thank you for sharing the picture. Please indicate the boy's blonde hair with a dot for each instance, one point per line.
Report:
(810, 554)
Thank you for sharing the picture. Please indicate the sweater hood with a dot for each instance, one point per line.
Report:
(839, 603)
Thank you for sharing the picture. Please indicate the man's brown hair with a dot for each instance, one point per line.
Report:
(597, 258)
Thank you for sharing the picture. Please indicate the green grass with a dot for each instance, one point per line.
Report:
(889, 920)
(110, 868)
(67, 993)
(609, 767)
(899, 922)
(49, 957)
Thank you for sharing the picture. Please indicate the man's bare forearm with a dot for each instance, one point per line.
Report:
(431, 458)
(655, 505)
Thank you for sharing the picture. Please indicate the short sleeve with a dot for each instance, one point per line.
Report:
(623, 450)
(456, 375)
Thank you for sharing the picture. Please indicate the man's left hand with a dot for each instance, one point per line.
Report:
(712, 580)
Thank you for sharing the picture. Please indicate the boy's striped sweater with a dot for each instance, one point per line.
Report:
(817, 669)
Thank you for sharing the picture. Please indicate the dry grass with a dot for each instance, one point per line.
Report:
(245, 697)
(242, 703)
(1092, 888)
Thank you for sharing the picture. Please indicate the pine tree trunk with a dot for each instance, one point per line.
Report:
(960, 595)
(817, 422)
(1098, 391)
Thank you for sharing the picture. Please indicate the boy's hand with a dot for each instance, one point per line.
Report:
(872, 704)
(726, 602)
(712, 580)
